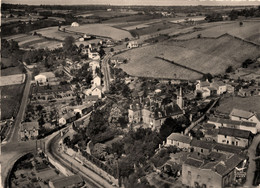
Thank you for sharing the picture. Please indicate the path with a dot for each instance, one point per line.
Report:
(252, 166)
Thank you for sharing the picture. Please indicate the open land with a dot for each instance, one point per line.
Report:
(248, 31)
(12, 79)
(101, 30)
(247, 103)
(204, 55)
(52, 32)
(106, 14)
(10, 100)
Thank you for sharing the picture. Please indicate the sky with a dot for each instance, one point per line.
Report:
(135, 2)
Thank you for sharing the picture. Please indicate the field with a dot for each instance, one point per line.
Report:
(10, 100)
(204, 55)
(249, 31)
(52, 32)
(107, 14)
(101, 30)
(12, 79)
(248, 103)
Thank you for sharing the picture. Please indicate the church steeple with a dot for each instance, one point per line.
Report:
(180, 99)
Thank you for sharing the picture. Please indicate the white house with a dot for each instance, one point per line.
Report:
(202, 89)
(234, 137)
(242, 115)
(94, 65)
(132, 44)
(44, 77)
(97, 91)
(96, 81)
(179, 140)
(93, 54)
(219, 86)
(75, 24)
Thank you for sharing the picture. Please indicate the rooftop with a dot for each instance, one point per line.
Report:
(241, 113)
(47, 74)
(234, 132)
(231, 122)
(228, 148)
(179, 137)
(202, 144)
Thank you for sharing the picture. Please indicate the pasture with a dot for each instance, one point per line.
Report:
(204, 55)
(248, 31)
(248, 103)
(52, 32)
(101, 30)
(10, 100)
(12, 79)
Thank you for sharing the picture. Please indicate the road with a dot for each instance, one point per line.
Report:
(92, 179)
(106, 71)
(252, 166)
(12, 149)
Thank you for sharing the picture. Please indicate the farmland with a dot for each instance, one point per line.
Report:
(12, 79)
(249, 31)
(106, 14)
(10, 100)
(52, 32)
(248, 104)
(101, 30)
(204, 55)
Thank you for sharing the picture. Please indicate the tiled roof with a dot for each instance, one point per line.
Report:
(231, 122)
(234, 132)
(179, 137)
(228, 148)
(193, 162)
(208, 126)
(69, 115)
(202, 144)
(204, 84)
(241, 113)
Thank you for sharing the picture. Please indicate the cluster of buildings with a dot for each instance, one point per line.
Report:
(217, 160)
(205, 88)
(153, 110)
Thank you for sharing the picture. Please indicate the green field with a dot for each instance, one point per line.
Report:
(249, 31)
(204, 55)
(10, 100)
(248, 103)
(101, 30)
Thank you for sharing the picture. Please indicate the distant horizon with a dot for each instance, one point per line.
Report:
(138, 2)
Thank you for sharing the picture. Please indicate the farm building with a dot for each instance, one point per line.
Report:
(44, 77)
(29, 130)
(132, 44)
(67, 118)
(75, 24)
(83, 109)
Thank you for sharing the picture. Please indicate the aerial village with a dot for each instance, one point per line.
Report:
(88, 122)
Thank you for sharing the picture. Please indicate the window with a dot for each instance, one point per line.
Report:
(227, 142)
(236, 143)
(225, 136)
(233, 143)
(201, 150)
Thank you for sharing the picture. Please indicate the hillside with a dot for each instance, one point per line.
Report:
(204, 55)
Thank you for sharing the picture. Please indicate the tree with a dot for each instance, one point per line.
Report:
(229, 69)
(112, 50)
(240, 24)
(68, 43)
(247, 62)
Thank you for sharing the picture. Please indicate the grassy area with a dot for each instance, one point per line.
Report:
(101, 30)
(204, 55)
(249, 31)
(10, 100)
(248, 103)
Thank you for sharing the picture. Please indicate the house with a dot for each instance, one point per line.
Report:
(219, 171)
(234, 137)
(179, 140)
(75, 24)
(93, 54)
(242, 115)
(242, 125)
(97, 90)
(132, 44)
(201, 147)
(29, 130)
(96, 81)
(67, 118)
(44, 77)
(202, 89)
(83, 109)
(67, 182)
(220, 87)
(154, 114)
(94, 65)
